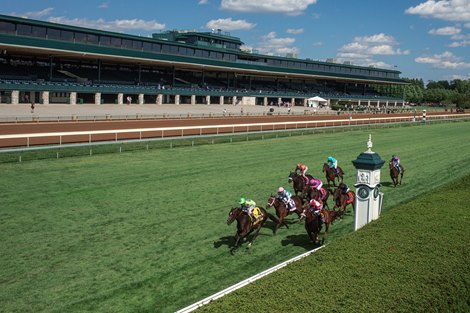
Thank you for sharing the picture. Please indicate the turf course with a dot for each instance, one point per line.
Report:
(146, 231)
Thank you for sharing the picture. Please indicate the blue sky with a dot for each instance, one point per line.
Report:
(427, 39)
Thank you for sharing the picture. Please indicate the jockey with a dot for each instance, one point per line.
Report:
(396, 162)
(316, 207)
(247, 205)
(285, 196)
(344, 189)
(303, 169)
(315, 183)
(333, 163)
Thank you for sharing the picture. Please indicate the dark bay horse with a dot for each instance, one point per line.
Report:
(281, 209)
(394, 173)
(312, 193)
(330, 174)
(313, 223)
(342, 200)
(246, 224)
(298, 181)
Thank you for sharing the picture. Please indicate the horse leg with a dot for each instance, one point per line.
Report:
(325, 234)
(254, 236)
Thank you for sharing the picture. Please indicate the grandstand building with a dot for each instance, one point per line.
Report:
(54, 63)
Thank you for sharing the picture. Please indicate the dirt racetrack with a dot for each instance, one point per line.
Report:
(73, 126)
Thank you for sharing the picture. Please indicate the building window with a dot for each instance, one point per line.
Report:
(53, 33)
(39, 32)
(115, 42)
(66, 35)
(7, 28)
(24, 30)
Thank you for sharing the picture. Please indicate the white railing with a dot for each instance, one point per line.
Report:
(181, 131)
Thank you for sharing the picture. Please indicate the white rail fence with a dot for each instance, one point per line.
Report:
(181, 131)
(245, 282)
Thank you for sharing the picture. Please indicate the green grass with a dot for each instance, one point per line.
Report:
(145, 231)
(415, 258)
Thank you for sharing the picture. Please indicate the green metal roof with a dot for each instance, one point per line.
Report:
(368, 161)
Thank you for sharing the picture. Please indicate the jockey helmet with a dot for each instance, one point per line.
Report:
(242, 201)
(280, 190)
(299, 164)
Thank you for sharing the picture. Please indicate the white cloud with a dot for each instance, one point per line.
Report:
(271, 44)
(445, 31)
(318, 44)
(291, 7)
(462, 43)
(456, 76)
(116, 25)
(363, 49)
(366, 46)
(446, 60)
(295, 31)
(201, 2)
(34, 14)
(229, 24)
(448, 10)
(104, 5)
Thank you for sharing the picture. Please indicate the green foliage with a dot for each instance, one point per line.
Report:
(146, 231)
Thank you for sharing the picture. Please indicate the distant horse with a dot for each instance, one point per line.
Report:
(330, 174)
(312, 193)
(281, 209)
(313, 223)
(394, 173)
(298, 181)
(342, 200)
(247, 224)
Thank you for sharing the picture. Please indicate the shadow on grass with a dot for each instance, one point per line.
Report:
(299, 241)
(228, 241)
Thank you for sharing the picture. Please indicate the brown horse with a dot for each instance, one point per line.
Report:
(313, 223)
(342, 200)
(282, 211)
(394, 173)
(312, 193)
(247, 224)
(331, 175)
(298, 181)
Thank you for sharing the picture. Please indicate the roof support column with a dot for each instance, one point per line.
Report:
(141, 98)
(292, 102)
(159, 99)
(208, 100)
(98, 98)
(265, 101)
(221, 100)
(73, 98)
(177, 99)
(45, 97)
(120, 98)
(15, 97)
(193, 99)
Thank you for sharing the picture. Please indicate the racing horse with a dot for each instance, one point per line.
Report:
(247, 224)
(298, 181)
(330, 174)
(311, 193)
(313, 223)
(342, 200)
(282, 211)
(394, 173)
